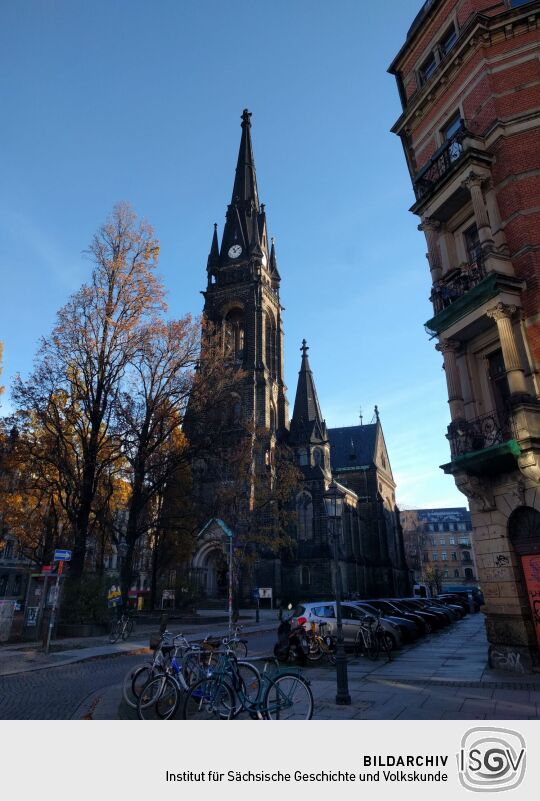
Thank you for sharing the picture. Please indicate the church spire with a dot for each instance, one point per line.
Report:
(213, 257)
(307, 424)
(245, 192)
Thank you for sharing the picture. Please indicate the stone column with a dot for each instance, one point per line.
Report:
(447, 245)
(502, 314)
(474, 184)
(431, 229)
(449, 348)
(499, 236)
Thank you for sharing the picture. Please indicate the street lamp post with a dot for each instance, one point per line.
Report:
(333, 501)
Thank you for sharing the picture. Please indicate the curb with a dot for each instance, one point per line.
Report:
(137, 648)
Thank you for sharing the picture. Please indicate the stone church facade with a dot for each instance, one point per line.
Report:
(242, 302)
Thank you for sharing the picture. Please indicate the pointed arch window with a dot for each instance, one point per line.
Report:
(304, 516)
(234, 334)
(271, 345)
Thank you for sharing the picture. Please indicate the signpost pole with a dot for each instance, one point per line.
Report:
(55, 603)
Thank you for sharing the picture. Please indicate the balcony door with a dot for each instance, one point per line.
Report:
(500, 390)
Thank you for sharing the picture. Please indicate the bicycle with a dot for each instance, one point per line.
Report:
(166, 649)
(236, 643)
(321, 644)
(282, 695)
(122, 627)
(371, 639)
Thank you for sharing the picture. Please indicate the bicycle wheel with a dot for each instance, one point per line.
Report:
(116, 628)
(246, 686)
(288, 697)
(372, 646)
(127, 629)
(315, 651)
(386, 644)
(159, 699)
(239, 648)
(209, 699)
(134, 681)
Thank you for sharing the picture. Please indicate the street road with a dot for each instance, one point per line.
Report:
(56, 692)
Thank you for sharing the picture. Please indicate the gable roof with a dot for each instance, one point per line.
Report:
(352, 446)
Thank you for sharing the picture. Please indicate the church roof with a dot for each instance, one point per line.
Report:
(352, 446)
(307, 424)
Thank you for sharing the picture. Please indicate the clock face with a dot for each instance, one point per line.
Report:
(235, 251)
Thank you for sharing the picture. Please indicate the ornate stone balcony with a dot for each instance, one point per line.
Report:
(466, 436)
(456, 283)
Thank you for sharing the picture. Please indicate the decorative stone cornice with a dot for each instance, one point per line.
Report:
(473, 179)
(448, 346)
(476, 490)
(429, 224)
(501, 311)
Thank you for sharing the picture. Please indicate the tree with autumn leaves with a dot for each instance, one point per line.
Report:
(96, 440)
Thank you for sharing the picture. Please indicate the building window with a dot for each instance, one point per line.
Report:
(446, 574)
(425, 557)
(448, 41)
(3, 585)
(431, 527)
(456, 573)
(427, 69)
(451, 540)
(444, 556)
(318, 457)
(8, 550)
(441, 527)
(442, 541)
(17, 585)
(305, 577)
(468, 573)
(454, 556)
(472, 244)
(234, 334)
(466, 556)
(302, 457)
(433, 541)
(435, 556)
(304, 516)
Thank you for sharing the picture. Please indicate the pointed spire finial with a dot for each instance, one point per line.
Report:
(246, 115)
(377, 413)
(361, 417)
(304, 349)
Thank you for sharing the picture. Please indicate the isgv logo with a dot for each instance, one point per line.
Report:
(491, 760)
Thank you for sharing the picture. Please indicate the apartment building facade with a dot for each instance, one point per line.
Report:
(468, 77)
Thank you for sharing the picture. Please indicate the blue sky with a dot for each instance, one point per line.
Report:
(128, 100)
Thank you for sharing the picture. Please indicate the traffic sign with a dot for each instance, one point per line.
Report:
(46, 569)
(62, 555)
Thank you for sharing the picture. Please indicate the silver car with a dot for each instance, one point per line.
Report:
(313, 614)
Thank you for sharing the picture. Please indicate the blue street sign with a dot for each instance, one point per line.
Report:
(62, 556)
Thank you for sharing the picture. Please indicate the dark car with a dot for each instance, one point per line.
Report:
(421, 622)
(439, 609)
(409, 630)
(453, 603)
(437, 618)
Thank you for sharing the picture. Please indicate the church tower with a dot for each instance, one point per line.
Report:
(242, 297)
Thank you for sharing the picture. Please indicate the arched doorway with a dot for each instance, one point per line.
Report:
(211, 570)
(524, 533)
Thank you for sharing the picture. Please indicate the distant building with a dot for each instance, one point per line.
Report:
(468, 76)
(438, 546)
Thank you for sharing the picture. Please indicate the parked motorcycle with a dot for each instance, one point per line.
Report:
(292, 644)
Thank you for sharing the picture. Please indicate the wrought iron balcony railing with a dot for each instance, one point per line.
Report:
(457, 283)
(466, 436)
(440, 164)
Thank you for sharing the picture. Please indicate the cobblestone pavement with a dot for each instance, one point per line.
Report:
(55, 694)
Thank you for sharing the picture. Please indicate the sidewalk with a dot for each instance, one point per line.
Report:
(442, 677)
(28, 657)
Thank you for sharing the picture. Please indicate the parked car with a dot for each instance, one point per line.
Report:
(436, 619)
(409, 630)
(446, 614)
(390, 608)
(325, 612)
